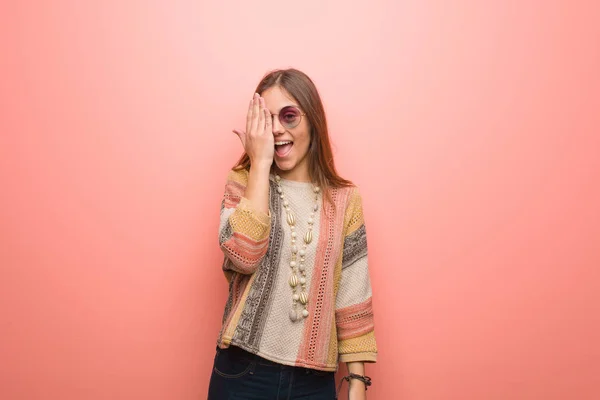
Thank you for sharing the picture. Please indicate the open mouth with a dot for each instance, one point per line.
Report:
(282, 149)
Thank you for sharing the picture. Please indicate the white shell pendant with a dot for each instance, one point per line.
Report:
(294, 315)
(303, 298)
(308, 237)
(290, 219)
(293, 281)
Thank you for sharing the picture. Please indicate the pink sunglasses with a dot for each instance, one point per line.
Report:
(290, 116)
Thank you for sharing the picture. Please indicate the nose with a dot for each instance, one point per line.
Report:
(278, 129)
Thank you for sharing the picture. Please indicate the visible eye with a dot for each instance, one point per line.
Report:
(289, 114)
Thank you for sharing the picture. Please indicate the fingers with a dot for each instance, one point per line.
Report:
(249, 115)
(268, 122)
(255, 111)
(261, 116)
(242, 136)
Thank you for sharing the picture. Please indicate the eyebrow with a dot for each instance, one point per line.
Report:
(289, 105)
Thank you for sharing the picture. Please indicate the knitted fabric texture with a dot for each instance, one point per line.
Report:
(256, 248)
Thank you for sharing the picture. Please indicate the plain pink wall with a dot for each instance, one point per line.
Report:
(472, 128)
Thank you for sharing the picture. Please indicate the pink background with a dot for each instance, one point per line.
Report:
(472, 128)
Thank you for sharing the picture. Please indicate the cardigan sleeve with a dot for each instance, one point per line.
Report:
(243, 230)
(354, 306)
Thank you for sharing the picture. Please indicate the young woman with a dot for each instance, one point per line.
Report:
(294, 240)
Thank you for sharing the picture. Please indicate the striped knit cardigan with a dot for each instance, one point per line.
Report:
(340, 326)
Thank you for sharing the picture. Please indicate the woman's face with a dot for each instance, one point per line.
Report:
(291, 144)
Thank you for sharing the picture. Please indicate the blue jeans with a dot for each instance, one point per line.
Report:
(240, 375)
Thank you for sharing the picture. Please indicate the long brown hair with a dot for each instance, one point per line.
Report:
(321, 166)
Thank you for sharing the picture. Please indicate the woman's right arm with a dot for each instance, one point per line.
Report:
(245, 216)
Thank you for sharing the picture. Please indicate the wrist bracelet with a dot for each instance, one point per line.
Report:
(364, 379)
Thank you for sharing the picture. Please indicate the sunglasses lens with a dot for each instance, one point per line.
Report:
(289, 117)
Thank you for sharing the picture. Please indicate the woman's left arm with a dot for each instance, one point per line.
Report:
(357, 390)
(354, 304)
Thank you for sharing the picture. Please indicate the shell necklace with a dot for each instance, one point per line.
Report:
(298, 285)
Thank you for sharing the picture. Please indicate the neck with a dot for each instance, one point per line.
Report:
(296, 174)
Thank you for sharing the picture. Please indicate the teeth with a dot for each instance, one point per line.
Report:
(282, 143)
